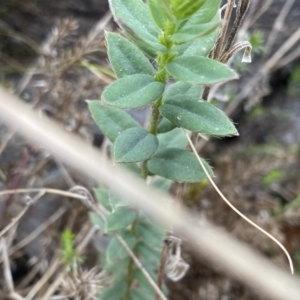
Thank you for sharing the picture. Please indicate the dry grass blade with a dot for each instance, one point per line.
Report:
(277, 26)
(50, 191)
(21, 214)
(7, 272)
(55, 267)
(234, 257)
(37, 231)
(288, 44)
(235, 209)
(260, 11)
(287, 59)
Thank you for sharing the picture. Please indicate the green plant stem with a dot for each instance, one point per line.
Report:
(155, 116)
(161, 76)
(129, 279)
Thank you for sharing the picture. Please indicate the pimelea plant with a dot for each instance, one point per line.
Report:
(168, 54)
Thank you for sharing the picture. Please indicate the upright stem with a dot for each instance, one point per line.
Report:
(155, 116)
(161, 76)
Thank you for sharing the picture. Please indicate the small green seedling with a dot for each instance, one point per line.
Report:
(69, 254)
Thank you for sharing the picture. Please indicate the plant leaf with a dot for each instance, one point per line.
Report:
(156, 13)
(150, 254)
(142, 293)
(204, 15)
(183, 9)
(120, 219)
(165, 126)
(207, 13)
(116, 291)
(96, 220)
(118, 267)
(182, 89)
(125, 58)
(134, 17)
(116, 201)
(199, 70)
(199, 116)
(172, 139)
(134, 144)
(197, 47)
(144, 283)
(110, 120)
(162, 184)
(116, 251)
(150, 235)
(133, 91)
(102, 195)
(200, 46)
(178, 165)
(143, 46)
(187, 34)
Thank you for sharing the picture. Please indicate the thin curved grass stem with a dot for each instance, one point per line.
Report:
(235, 209)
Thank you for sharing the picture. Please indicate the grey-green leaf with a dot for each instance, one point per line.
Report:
(144, 46)
(116, 201)
(133, 91)
(150, 235)
(207, 12)
(182, 89)
(97, 220)
(156, 14)
(178, 165)
(197, 47)
(134, 17)
(162, 184)
(144, 283)
(199, 70)
(125, 58)
(110, 120)
(118, 267)
(120, 218)
(187, 34)
(116, 291)
(200, 46)
(172, 139)
(142, 293)
(133, 145)
(165, 126)
(186, 8)
(199, 116)
(102, 195)
(116, 251)
(152, 255)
